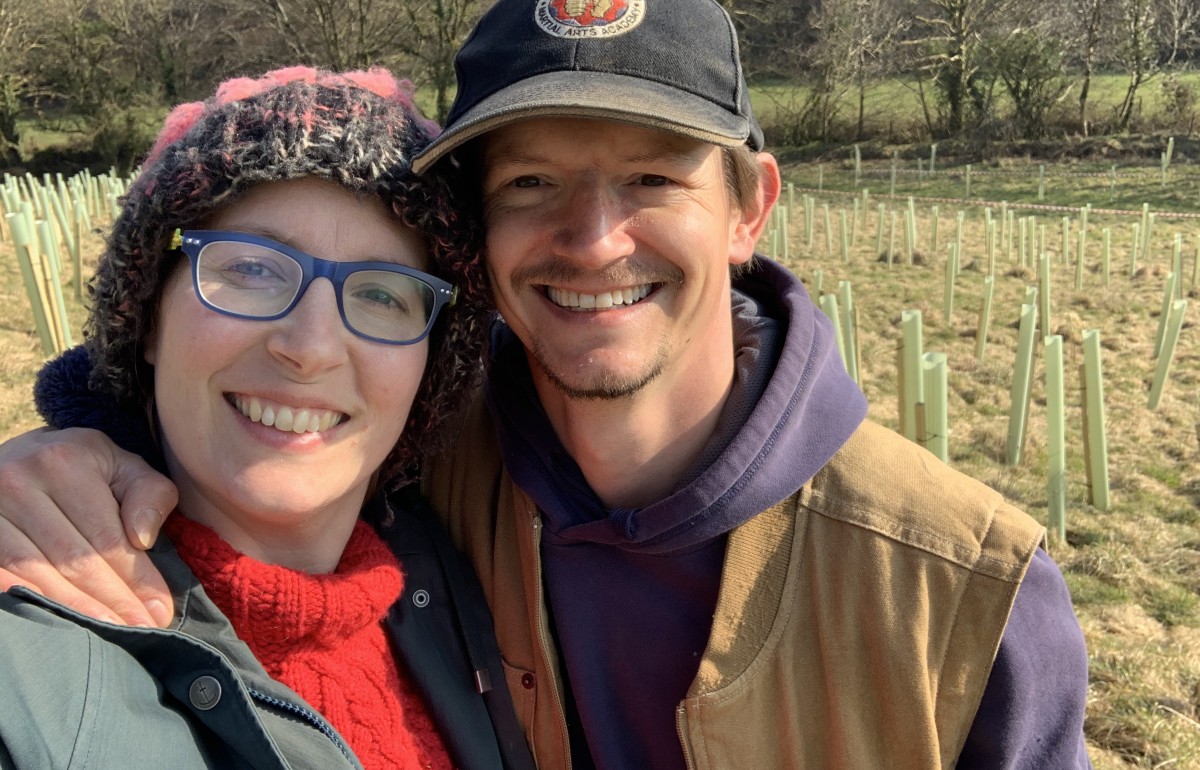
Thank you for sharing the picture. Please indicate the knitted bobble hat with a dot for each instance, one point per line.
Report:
(359, 129)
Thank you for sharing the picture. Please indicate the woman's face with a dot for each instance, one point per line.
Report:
(282, 496)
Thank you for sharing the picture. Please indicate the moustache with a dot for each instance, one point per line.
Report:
(631, 271)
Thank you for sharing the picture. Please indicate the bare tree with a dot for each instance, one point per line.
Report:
(416, 38)
(336, 34)
(774, 36)
(436, 29)
(950, 40)
(110, 65)
(17, 43)
(1089, 23)
(856, 41)
(1177, 22)
(1136, 50)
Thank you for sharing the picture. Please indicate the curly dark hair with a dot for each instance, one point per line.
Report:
(357, 129)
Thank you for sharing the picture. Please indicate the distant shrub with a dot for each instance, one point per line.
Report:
(1179, 102)
(120, 138)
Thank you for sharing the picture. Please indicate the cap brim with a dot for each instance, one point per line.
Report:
(592, 95)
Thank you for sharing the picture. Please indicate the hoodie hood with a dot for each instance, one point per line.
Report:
(790, 409)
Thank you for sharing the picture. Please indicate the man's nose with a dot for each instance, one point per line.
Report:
(594, 225)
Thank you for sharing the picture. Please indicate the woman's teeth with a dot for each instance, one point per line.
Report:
(573, 299)
(287, 419)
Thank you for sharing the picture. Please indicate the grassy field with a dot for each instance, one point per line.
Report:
(1134, 570)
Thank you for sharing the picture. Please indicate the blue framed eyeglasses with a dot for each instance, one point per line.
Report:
(249, 276)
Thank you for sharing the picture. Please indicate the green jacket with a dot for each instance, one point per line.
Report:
(80, 693)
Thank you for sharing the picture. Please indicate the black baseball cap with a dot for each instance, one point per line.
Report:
(671, 65)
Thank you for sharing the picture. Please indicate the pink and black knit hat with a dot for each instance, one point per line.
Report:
(359, 129)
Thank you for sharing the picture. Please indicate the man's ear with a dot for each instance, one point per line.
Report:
(756, 211)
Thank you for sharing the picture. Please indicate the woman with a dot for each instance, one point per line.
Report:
(296, 313)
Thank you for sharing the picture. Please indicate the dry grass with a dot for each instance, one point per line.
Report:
(20, 349)
(1134, 570)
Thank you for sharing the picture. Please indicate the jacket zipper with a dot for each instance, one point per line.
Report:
(308, 716)
(544, 638)
(680, 718)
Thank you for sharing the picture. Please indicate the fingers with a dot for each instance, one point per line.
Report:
(9, 580)
(60, 529)
(145, 497)
(29, 567)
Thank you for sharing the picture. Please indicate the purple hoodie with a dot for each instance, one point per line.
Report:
(631, 592)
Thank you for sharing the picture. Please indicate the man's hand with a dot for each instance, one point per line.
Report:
(76, 512)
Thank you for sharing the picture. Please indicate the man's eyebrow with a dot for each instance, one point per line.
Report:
(672, 151)
(669, 152)
(512, 156)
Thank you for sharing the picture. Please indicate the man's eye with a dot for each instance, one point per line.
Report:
(652, 180)
(526, 181)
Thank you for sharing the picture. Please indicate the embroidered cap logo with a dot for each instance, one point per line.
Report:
(588, 18)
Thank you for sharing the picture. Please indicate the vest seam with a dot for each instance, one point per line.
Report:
(781, 619)
(969, 558)
(943, 654)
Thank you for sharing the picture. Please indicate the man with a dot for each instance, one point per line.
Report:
(697, 552)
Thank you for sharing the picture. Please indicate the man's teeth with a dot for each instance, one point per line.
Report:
(574, 299)
(287, 419)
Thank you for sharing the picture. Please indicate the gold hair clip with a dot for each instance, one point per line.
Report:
(176, 239)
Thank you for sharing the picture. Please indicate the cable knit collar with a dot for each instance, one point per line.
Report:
(277, 610)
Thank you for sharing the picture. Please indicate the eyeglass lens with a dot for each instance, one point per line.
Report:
(255, 281)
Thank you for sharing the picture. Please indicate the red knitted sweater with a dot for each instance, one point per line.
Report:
(323, 636)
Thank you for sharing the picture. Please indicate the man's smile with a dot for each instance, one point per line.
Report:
(574, 300)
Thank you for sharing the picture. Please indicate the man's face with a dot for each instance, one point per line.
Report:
(609, 247)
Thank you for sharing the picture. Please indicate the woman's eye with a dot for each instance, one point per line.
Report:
(378, 297)
(249, 272)
(250, 269)
(526, 181)
(379, 300)
(652, 180)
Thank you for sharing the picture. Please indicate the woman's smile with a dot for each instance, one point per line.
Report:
(288, 419)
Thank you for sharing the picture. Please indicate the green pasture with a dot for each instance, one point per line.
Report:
(1104, 185)
(895, 104)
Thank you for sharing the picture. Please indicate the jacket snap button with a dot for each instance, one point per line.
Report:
(421, 597)
(527, 681)
(205, 692)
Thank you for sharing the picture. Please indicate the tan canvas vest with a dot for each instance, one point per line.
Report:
(856, 624)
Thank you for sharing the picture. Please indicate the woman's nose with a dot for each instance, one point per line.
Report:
(312, 337)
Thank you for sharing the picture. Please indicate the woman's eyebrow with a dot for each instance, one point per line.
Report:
(281, 238)
(262, 231)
